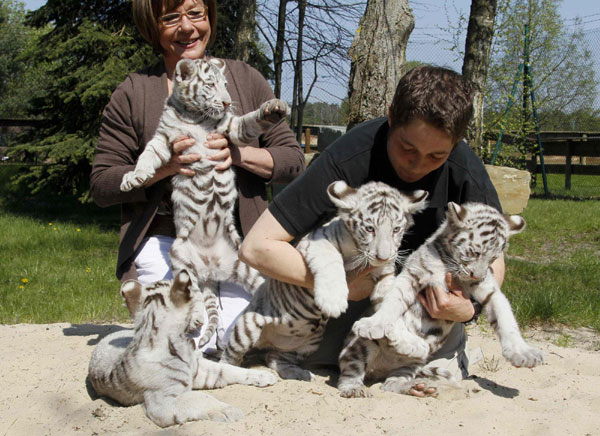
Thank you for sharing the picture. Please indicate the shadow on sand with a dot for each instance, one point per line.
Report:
(97, 330)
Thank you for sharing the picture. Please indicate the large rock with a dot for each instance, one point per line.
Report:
(512, 186)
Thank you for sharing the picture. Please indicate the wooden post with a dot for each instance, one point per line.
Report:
(307, 141)
(534, 164)
(568, 168)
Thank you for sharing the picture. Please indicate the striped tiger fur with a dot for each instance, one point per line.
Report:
(156, 363)
(289, 320)
(395, 343)
(203, 205)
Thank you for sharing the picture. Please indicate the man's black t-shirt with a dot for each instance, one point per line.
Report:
(360, 156)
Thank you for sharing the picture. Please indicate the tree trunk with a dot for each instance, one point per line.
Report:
(475, 64)
(245, 31)
(298, 73)
(378, 57)
(278, 55)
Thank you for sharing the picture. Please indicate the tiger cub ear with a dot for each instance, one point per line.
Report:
(455, 213)
(180, 289)
(417, 200)
(184, 70)
(516, 223)
(131, 291)
(341, 195)
(219, 63)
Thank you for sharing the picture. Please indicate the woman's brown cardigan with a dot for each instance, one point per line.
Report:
(129, 122)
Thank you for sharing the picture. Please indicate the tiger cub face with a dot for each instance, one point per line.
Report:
(166, 307)
(475, 236)
(200, 87)
(377, 216)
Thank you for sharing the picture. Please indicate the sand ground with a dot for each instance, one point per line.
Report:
(43, 391)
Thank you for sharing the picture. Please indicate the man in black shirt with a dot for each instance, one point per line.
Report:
(418, 146)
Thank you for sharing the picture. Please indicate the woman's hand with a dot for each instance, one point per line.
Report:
(178, 164)
(450, 304)
(216, 141)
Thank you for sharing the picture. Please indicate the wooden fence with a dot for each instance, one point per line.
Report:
(565, 153)
(585, 151)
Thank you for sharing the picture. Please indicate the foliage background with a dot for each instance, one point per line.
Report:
(72, 56)
(61, 63)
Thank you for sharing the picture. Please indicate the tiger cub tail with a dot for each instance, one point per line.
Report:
(247, 277)
(208, 292)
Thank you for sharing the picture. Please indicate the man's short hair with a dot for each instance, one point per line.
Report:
(436, 95)
(146, 13)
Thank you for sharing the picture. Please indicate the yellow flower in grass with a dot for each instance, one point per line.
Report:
(49, 224)
(24, 280)
(21, 287)
(79, 230)
(88, 270)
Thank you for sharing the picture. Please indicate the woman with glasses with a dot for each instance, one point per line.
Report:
(181, 29)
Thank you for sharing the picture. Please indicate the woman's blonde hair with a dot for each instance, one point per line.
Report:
(146, 13)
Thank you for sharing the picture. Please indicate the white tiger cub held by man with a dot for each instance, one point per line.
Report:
(289, 321)
(395, 343)
(207, 240)
(157, 363)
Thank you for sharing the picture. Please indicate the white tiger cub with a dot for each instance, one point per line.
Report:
(470, 239)
(203, 205)
(156, 363)
(289, 321)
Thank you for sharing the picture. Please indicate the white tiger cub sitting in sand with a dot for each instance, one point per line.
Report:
(288, 321)
(395, 343)
(157, 364)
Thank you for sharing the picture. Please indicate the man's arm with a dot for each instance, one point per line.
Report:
(267, 248)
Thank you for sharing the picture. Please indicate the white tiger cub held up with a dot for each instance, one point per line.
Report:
(207, 240)
(395, 343)
(289, 321)
(157, 364)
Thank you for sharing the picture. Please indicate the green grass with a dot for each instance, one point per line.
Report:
(582, 187)
(58, 259)
(57, 271)
(553, 267)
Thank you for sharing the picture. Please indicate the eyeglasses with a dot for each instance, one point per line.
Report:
(194, 15)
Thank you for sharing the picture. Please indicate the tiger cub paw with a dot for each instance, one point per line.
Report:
(332, 303)
(274, 110)
(414, 387)
(226, 414)
(132, 180)
(290, 372)
(523, 355)
(260, 378)
(357, 390)
(406, 344)
(369, 328)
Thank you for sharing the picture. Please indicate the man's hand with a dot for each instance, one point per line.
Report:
(360, 284)
(450, 304)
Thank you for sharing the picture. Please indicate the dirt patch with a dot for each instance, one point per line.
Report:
(44, 391)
